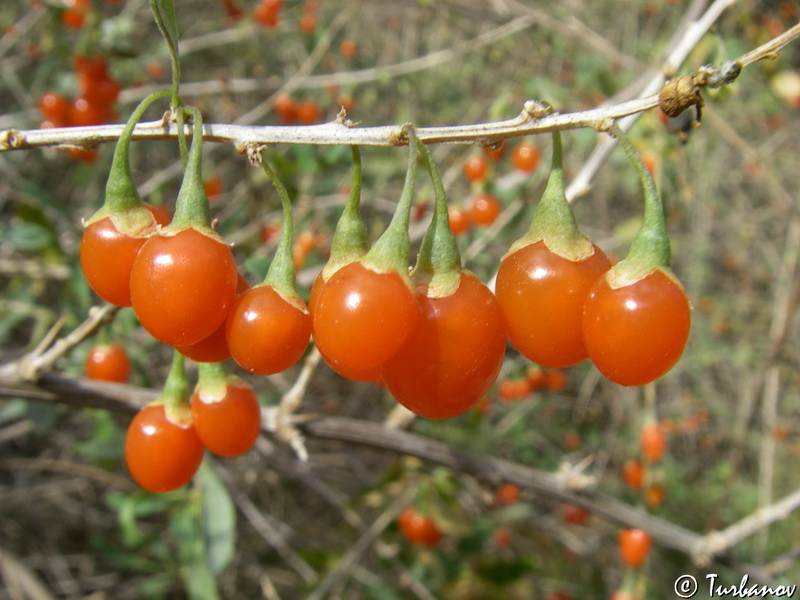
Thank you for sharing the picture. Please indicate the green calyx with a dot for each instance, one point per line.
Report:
(191, 205)
(175, 395)
(392, 251)
(213, 381)
(281, 273)
(650, 249)
(350, 240)
(438, 266)
(122, 202)
(554, 223)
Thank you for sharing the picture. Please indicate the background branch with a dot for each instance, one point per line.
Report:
(703, 549)
(342, 132)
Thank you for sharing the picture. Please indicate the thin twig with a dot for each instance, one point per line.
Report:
(32, 365)
(683, 46)
(66, 390)
(368, 537)
(530, 121)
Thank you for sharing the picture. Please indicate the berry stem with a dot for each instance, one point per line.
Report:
(212, 382)
(650, 248)
(191, 206)
(164, 14)
(554, 222)
(392, 250)
(350, 240)
(281, 273)
(438, 264)
(175, 394)
(121, 193)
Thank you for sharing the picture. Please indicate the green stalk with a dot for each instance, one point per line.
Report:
(191, 206)
(164, 14)
(212, 382)
(175, 395)
(281, 273)
(350, 240)
(180, 122)
(650, 249)
(392, 251)
(554, 222)
(121, 192)
(438, 264)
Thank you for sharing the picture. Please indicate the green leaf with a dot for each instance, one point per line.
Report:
(218, 519)
(186, 526)
(380, 592)
(130, 507)
(503, 572)
(43, 415)
(29, 237)
(166, 10)
(106, 442)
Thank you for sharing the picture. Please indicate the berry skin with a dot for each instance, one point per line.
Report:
(454, 354)
(108, 362)
(267, 333)
(526, 157)
(652, 441)
(161, 455)
(229, 423)
(362, 317)
(542, 297)
(506, 494)
(634, 546)
(419, 529)
(476, 168)
(183, 285)
(107, 256)
(636, 333)
(633, 474)
(348, 49)
(574, 515)
(459, 220)
(308, 112)
(55, 108)
(484, 209)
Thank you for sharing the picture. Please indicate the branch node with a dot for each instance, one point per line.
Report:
(398, 136)
(533, 110)
(707, 547)
(604, 125)
(253, 152)
(11, 139)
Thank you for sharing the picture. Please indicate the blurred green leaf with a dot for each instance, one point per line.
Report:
(13, 410)
(166, 10)
(43, 415)
(186, 526)
(28, 237)
(130, 507)
(42, 197)
(380, 592)
(504, 571)
(106, 442)
(218, 518)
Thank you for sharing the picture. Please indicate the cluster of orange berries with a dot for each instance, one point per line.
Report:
(75, 13)
(94, 105)
(535, 379)
(484, 207)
